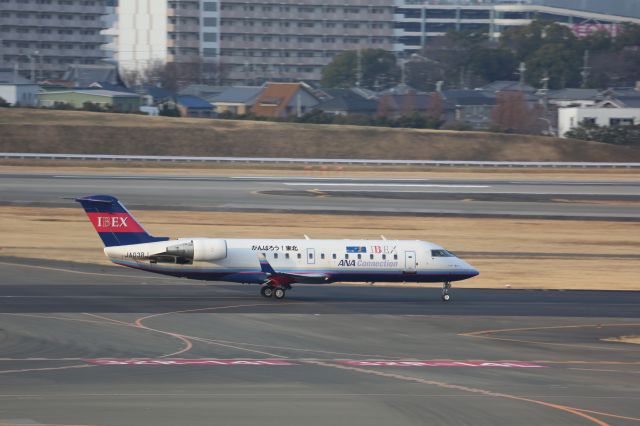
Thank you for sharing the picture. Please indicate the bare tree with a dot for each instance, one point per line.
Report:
(435, 109)
(385, 105)
(512, 113)
(409, 103)
(175, 76)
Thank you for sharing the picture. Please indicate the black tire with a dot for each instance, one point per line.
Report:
(279, 293)
(266, 291)
(446, 297)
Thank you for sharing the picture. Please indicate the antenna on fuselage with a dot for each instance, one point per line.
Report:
(306, 237)
(383, 237)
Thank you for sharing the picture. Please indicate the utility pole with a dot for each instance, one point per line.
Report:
(32, 62)
(358, 68)
(586, 70)
(522, 69)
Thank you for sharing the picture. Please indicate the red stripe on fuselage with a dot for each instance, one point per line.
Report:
(114, 222)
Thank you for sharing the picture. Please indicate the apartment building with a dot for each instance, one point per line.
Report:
(416, 22)
(282, 40)
(160, 31)
(40, 38)
(290, 40)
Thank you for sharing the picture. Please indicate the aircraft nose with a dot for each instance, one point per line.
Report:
(473, 272)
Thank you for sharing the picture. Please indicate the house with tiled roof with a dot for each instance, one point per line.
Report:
(236, 100)
(284, 100)
(347, 101)
(194, 106)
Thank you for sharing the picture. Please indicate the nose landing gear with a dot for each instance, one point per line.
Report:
(445, 291)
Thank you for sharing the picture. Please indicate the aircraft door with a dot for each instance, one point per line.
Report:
(410, 262)
(311, 256)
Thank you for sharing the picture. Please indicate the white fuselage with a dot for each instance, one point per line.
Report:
(237, 260)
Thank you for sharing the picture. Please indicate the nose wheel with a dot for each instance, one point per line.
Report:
(445, 292)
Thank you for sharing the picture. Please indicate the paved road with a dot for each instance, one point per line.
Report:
(547, 199)
(308, 359)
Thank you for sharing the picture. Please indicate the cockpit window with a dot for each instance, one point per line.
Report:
(441, 253)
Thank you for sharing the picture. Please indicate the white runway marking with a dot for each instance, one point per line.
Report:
(387, 185)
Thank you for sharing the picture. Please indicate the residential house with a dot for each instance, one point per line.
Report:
(509, 86)
(194, 106)
(205, 91)
(17, 90)
(236, 100)
(77, 98)
(284, 100)
(346, 102)
(602, 115)
(82, 75)
(570, 97)
(394, 106)
(469, 107)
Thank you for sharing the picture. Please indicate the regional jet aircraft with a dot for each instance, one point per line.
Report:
(275, 264)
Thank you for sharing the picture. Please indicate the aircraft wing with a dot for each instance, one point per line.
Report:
(311, 278)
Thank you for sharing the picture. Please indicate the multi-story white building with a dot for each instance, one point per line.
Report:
(294, 39)
(42, 37)
(283, 40)
(416, 22)
(160, 31)
(256, 40)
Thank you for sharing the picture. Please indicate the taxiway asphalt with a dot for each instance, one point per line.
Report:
(191, 353)
(600, 200)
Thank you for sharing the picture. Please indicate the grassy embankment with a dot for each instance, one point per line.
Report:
(27, 130)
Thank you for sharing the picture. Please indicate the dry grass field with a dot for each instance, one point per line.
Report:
(66, 234)
(47, 131)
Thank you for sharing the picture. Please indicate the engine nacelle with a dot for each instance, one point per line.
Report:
(201, 249)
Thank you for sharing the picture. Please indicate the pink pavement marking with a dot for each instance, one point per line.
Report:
(439, 363)
(200, 361)
(288, 362)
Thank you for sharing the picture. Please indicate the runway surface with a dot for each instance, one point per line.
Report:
(92, 345)
(602, 200)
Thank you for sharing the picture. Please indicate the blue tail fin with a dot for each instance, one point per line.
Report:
(115, 225)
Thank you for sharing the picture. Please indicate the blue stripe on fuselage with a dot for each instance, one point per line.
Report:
(255, 275)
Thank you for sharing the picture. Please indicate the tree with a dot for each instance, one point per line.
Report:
(512, 114)
(3, 103)
(378, 69)
(629, 36)
(549, 49)
(90, 106)
(491, 64)
(175, 76)
(435, 109)
(615, 68)
(559, 64)
(619, 135)
(449, 58)
(385, 106)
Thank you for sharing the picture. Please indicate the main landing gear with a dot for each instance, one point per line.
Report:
(445, 291)
(271, 291)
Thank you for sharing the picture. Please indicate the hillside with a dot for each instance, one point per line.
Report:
(28, 130)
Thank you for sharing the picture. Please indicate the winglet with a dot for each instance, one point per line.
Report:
(265, 266)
